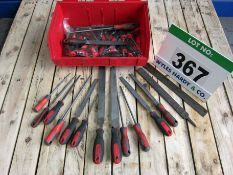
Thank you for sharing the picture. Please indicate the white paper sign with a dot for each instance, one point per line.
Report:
(191, 63)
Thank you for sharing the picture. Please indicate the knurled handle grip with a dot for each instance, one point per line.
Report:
(141, 137)
(42, 103)
(79, 134)
(54, 132)
(98, 149)
(116, 151)
(162, 124)
(68, 132)
(167, 116)
(53, 113)
(125, 141)
(39, 118)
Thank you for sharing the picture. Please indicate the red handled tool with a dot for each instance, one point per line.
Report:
(57, 128)
(46, 98)
(36, 121)
(69, 131)
(137, 128)
(161, 123)
(98, 148)
(124, 134)
(179, 109)
(51, 115)
(93, 42)
(78, 135)
(116, 151)
(128, 26)
(165, 114)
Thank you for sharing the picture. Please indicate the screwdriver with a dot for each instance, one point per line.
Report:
(57, 128)
(128, 26)
(124, 136)
(36, 121)
(162, 124)
(46, 98)
(55, 110)
(68, 132)
(165, 114)
(82, 128)
(137, 128)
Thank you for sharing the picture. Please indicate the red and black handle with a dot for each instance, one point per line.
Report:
(167, 116)
(39, 118)
(42, 103)
(128, 26)
(53, 113)
(98, 149)
(141, 137)
(68, 132)
(162, 124)
(125, 141)
(79, 134)
(54, 132)
(116, 146)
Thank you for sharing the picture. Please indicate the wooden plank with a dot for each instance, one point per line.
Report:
(74, 159)
(199, 156)
(129, 164)
(149, 161)
(13, 44)
(180, 159)
(29, 139)
(217, 38)
(16, 97)
(179, 162)
(51, 160)
(105, 166)
(220, 111)
(201, 135)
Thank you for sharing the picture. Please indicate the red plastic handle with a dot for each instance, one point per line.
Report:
(98, 149)
(54, 132)
(41, 103)
(116, 146)
(79, 134)
(141, 137)
(128, 26)
(125, 141)
(167, 116)
(163, 126)
(40, 117)
(68, 132)
(52, 114)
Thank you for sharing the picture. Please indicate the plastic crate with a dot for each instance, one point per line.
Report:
(96, 13)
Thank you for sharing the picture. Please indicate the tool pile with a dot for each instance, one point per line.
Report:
(101, 41)
(119, 134)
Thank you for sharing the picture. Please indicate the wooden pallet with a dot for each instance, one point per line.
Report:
(26, 74)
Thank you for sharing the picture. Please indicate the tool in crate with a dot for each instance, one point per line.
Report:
(101, 41)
